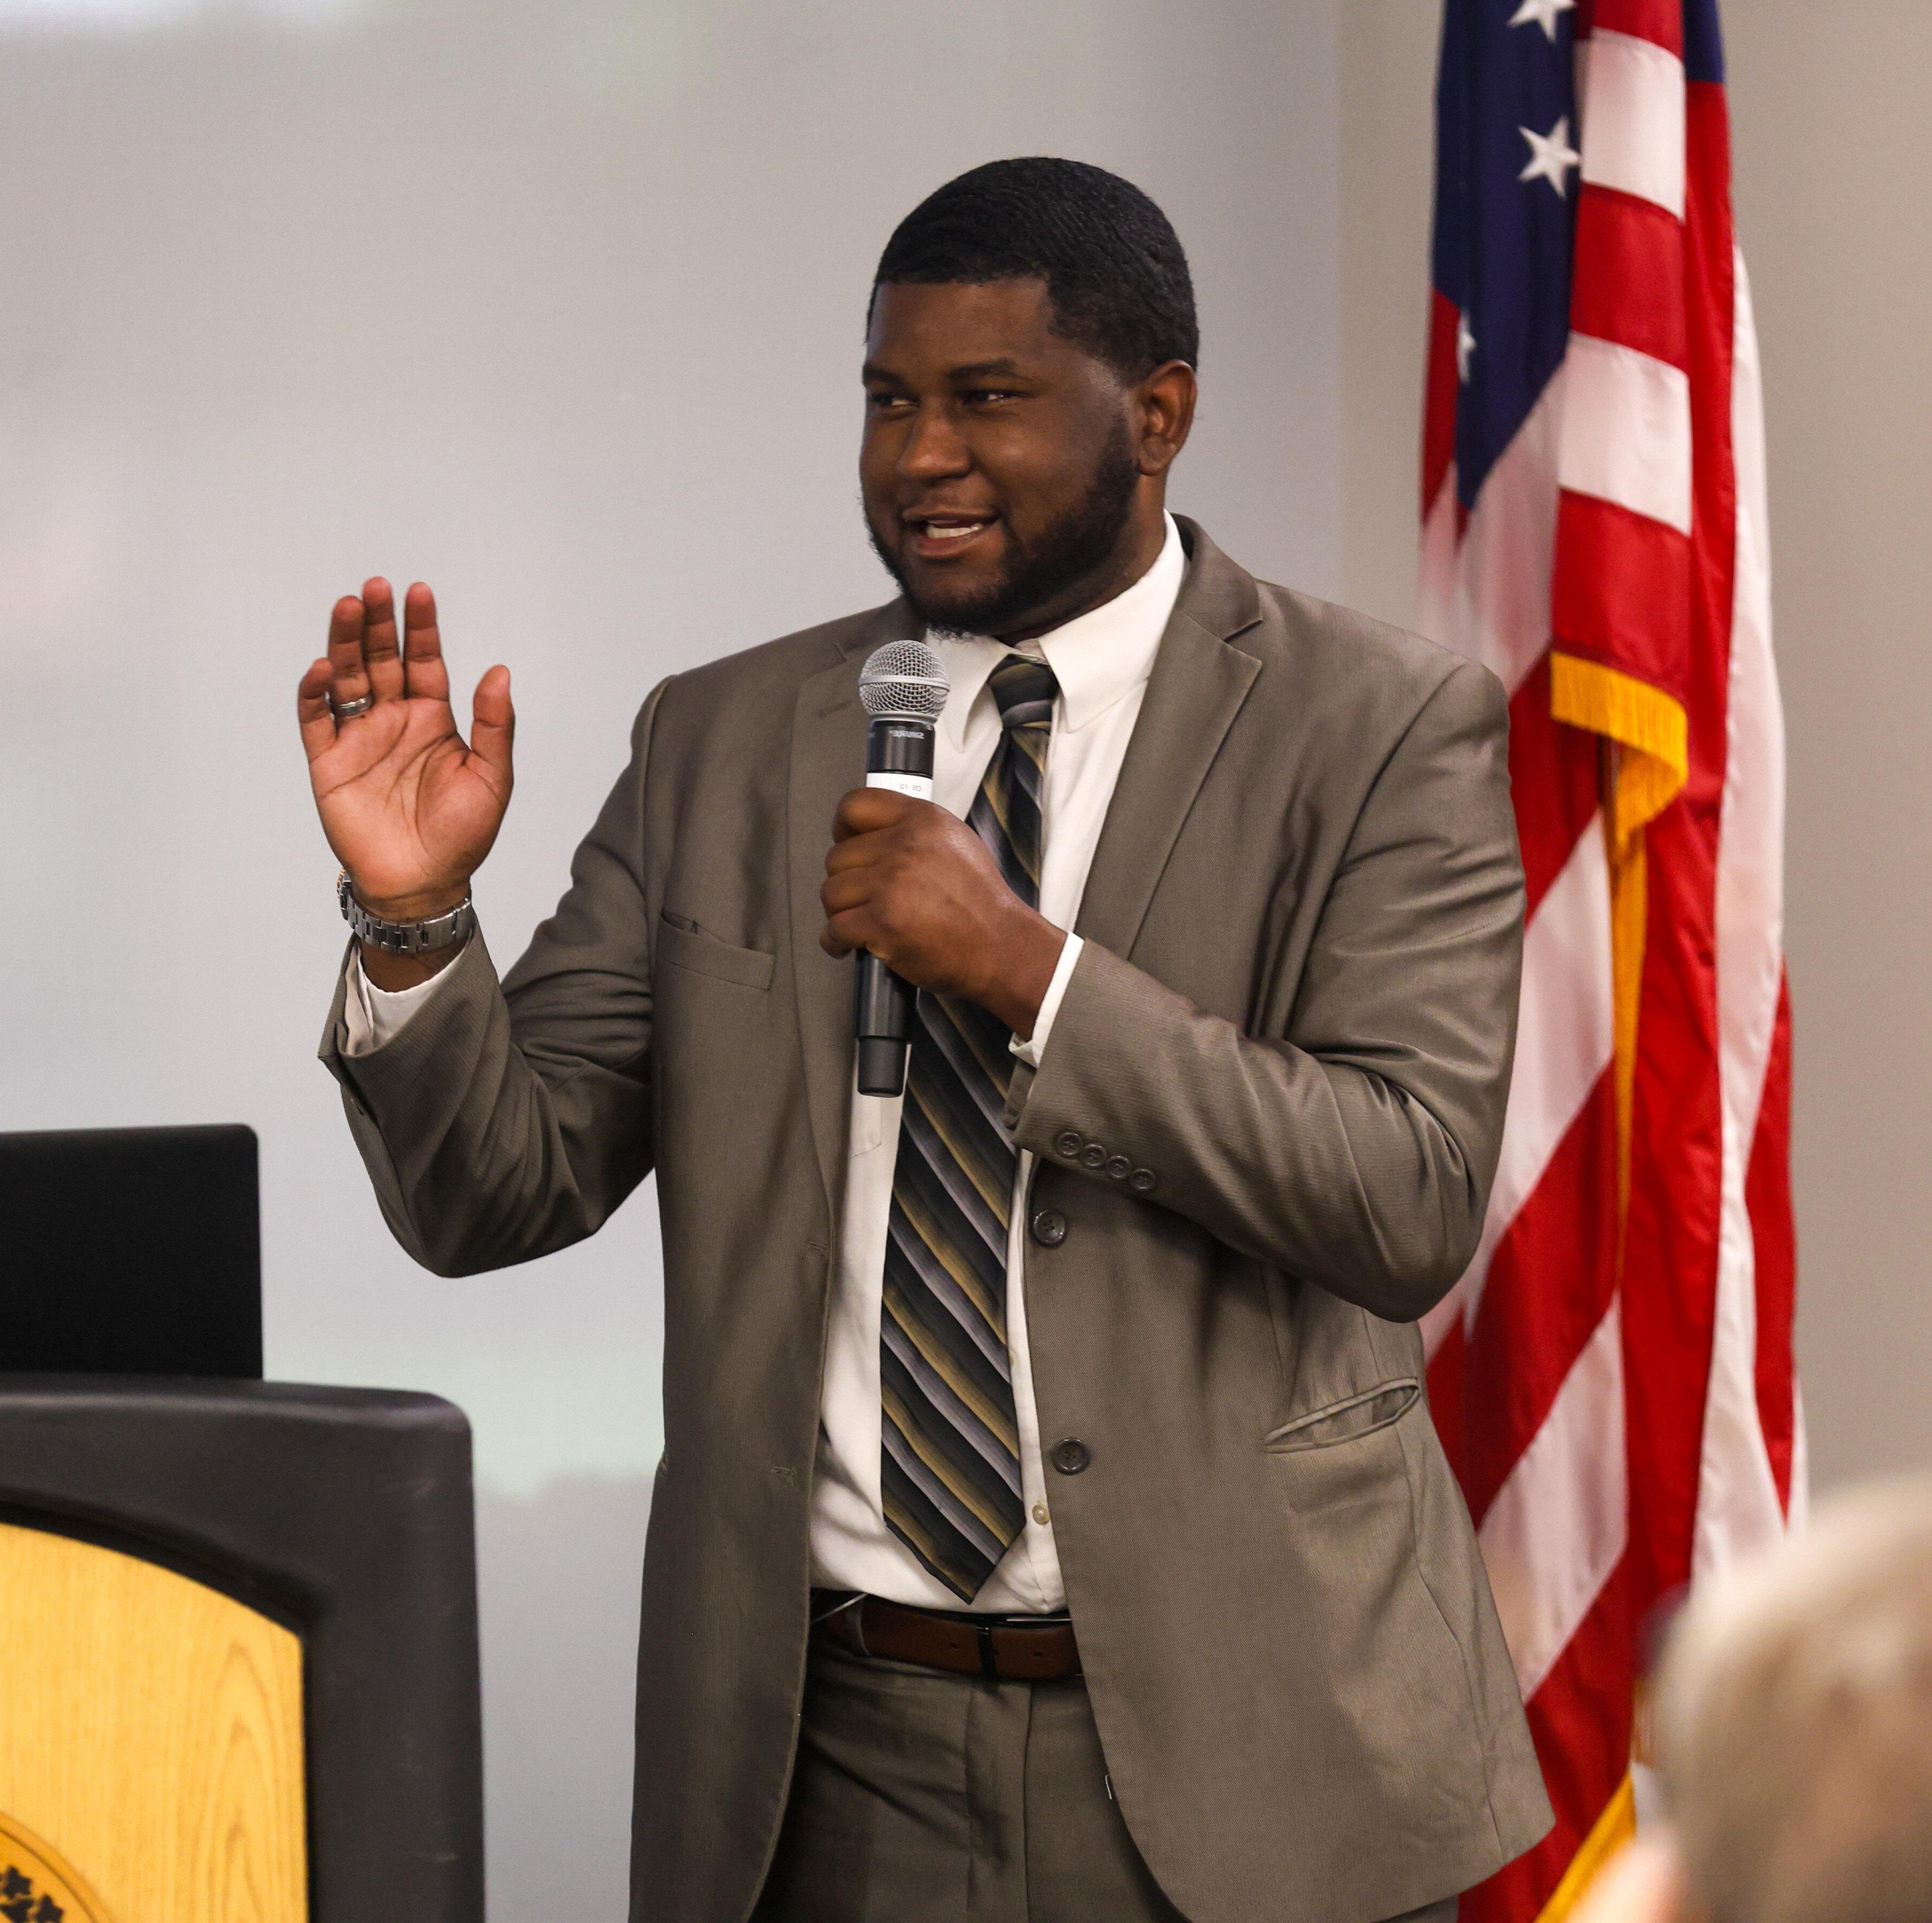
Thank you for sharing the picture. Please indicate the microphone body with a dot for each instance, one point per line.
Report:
(904, 688)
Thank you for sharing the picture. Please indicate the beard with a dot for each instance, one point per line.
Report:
(1078, 544)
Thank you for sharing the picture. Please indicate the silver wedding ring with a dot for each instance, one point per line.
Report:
(347, 711)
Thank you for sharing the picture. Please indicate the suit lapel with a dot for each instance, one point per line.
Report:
(828, 756)
(1199, 683)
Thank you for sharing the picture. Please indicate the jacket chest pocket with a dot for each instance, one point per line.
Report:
(682, 944)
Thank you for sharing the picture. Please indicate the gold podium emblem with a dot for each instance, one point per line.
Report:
(36, 1886)
(152, 1730)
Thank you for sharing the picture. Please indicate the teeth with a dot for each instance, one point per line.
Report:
(952, 532)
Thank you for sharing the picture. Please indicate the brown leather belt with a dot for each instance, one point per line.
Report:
(1000, 1649)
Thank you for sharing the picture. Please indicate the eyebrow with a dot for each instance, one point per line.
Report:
(1004, 367)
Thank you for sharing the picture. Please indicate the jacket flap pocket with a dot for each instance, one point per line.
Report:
(683, 944)
(1358, 1415)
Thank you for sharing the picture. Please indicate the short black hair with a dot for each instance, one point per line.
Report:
(1112, 261)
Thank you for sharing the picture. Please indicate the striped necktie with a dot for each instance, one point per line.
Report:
(950, 1459)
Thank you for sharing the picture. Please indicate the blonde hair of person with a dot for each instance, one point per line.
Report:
(1794, 1724)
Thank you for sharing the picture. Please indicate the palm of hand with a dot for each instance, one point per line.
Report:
(408, 808)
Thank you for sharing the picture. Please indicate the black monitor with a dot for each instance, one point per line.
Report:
(131, 1251)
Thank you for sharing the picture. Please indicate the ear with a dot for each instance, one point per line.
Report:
(1164, 405)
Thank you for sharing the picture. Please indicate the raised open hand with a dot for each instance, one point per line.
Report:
(410, 809)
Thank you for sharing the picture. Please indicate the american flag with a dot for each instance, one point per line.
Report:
(1613, 1377)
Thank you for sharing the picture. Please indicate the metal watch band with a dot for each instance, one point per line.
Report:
(404, 938)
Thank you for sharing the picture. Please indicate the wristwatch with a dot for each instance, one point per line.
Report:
(404, 938)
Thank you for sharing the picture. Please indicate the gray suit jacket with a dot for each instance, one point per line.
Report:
(1295, 1008)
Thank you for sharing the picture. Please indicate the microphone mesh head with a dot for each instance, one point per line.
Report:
(906, 679)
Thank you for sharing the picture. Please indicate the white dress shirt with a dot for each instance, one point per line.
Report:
(1101, 661)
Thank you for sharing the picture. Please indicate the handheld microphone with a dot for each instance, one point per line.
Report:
(903, 687)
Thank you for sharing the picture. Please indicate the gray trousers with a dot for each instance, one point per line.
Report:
(923, 1798)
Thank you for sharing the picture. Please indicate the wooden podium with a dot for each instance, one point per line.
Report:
(238, 1655)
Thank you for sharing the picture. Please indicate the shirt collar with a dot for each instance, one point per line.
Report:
(1096, 657)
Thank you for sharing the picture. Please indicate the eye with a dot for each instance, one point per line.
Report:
(989, 397)
(880, 401)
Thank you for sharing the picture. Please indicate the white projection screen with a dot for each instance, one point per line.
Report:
(557, 305)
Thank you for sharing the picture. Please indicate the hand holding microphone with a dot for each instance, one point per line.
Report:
(911, 885)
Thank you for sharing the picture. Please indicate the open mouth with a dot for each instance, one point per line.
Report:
(939, 534)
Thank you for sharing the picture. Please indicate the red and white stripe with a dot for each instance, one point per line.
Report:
(1617, 1431)
(1751, 1484)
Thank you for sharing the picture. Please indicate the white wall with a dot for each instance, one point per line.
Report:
(556, 304)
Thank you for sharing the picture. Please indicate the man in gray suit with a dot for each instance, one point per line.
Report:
(1050, 1525)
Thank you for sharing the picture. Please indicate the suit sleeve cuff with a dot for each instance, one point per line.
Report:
(372, 1017)
(1031, 1050)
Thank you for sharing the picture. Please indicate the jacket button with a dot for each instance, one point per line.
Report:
(1071, 1455)
(1049, 1228)
(1068, 1141)
(1117, 1167)
(1093, 1156)
(1141, 1179)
